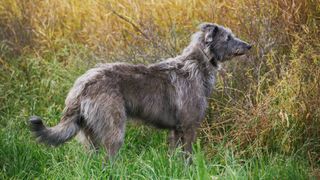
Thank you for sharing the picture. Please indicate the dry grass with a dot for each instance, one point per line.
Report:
(270, 100)
(111, 25)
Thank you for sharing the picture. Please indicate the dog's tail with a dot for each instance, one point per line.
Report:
(64, 131)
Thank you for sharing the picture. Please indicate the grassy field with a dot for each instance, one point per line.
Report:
(144, 155)
(264, 116)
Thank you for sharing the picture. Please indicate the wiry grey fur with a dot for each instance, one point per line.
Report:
(171, 94)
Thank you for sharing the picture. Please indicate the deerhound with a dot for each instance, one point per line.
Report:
(171, 94)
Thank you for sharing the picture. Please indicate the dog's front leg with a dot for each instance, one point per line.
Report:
(174, 139)
(189, 136)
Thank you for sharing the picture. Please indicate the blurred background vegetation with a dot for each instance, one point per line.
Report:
(268, 101)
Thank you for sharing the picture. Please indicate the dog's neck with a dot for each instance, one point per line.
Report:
(200, 65)
(209, 58)
(209, 73)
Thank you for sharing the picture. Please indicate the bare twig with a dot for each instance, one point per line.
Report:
(136, 27)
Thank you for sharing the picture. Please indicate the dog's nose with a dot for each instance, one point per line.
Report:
(249, 46)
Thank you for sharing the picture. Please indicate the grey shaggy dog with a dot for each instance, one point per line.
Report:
(171, 94)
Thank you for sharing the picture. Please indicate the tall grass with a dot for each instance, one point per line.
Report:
(265, 105)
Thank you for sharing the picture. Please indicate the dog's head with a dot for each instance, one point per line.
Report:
(221, 43)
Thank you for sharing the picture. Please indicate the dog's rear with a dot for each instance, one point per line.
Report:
(70, 122)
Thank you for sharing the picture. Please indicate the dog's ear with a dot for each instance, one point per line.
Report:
(210, 31)
(205, 26)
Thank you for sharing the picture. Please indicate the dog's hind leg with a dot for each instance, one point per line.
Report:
(105, 117)
(114, 136)
(86, 138)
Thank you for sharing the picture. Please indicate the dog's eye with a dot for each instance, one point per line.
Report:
(229, 38)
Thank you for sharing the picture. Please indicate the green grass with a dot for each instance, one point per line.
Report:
(145, 157)
(39, 87)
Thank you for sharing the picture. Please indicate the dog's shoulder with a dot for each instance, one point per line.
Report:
(166, 65)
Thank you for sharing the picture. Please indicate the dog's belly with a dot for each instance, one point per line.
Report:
(162, 120)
